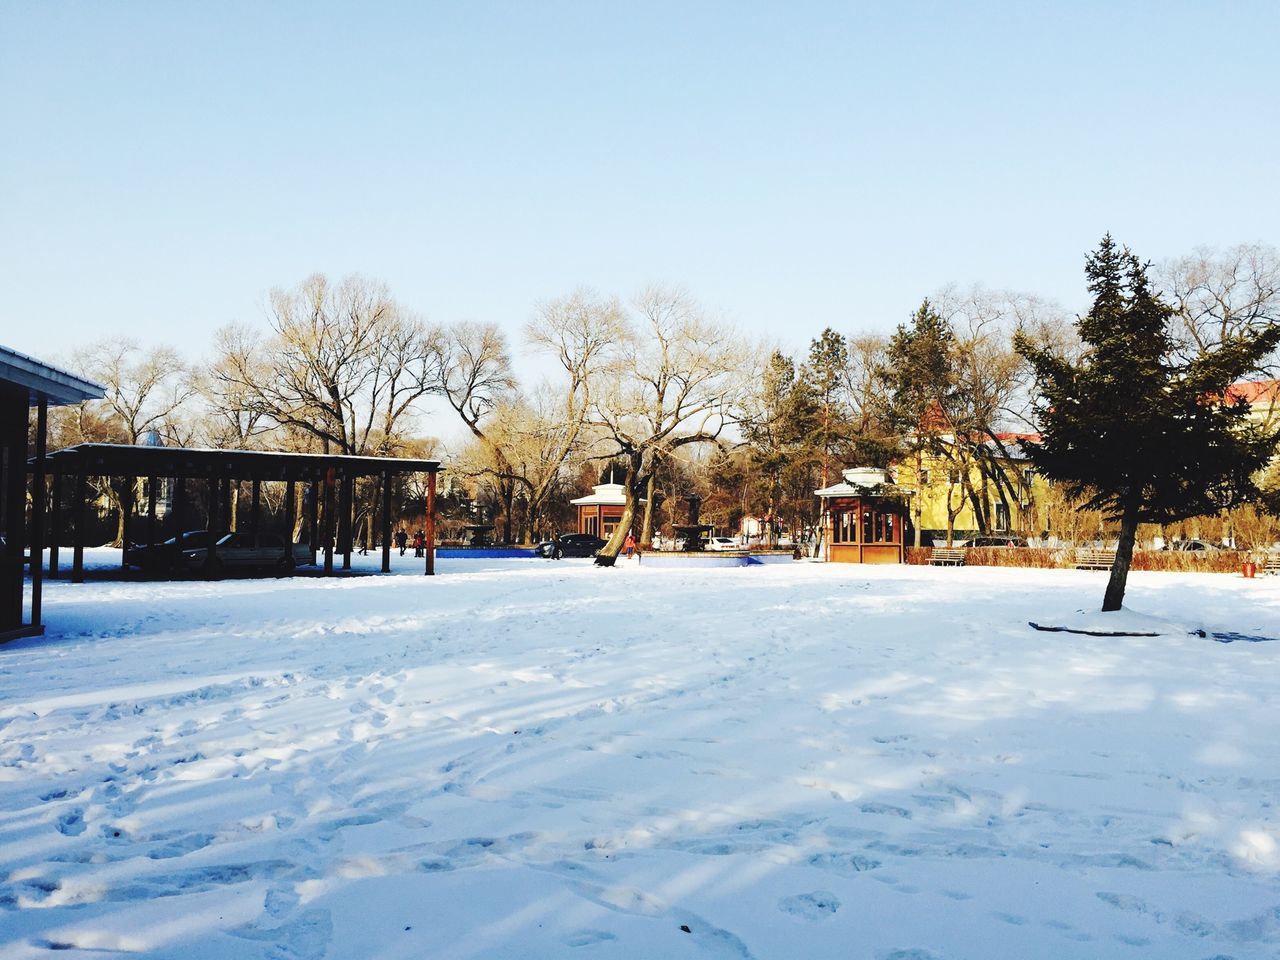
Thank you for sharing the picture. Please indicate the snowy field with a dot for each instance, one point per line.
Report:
(528, 759)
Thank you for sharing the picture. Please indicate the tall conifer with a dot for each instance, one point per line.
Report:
(1137, 433)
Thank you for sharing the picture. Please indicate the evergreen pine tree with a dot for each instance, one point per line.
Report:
(1140, 435)
(920, 381)
(824, 375)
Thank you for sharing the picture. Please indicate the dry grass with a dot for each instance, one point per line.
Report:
(1211, 561)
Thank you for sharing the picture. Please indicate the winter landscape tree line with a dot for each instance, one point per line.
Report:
(667, 397)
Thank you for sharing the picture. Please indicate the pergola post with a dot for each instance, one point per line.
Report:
(227, 509)
(126, 514)
(290, 509)
(255, 502)
(313, 517)
(77, 544)
(55, 524)
(344, 520)
(215, 530)
(386, 522)
(179, 517)
(151, 511)
(37, 510)
(329, 481)
(431, 525)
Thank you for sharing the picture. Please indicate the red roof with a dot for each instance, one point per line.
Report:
(1255, 392)
(1024, 437)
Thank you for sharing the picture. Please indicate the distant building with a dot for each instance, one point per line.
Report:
(865, 518)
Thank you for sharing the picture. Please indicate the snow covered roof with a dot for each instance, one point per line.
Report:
(58, 386)
(864, 481)
(603, 494)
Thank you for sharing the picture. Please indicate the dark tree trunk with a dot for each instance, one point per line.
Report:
(634, 483)
(646, 525)
(1124, 556)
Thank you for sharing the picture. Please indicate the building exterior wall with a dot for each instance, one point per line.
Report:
(598, 520)
(1018, 508)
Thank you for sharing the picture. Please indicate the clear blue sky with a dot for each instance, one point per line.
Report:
(796, 165)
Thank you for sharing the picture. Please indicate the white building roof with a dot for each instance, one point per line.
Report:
(604, 495)
(861, 481)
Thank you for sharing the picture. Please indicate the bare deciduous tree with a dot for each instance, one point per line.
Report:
(673, 381)
(344, 365)
(146, 391)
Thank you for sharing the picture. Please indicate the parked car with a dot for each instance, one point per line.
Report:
(247, 551)
(1189, 545)
(162, 556)
(998, 541)
(723, 543)
(570, 545)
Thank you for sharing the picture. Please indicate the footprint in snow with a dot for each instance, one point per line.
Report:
(71, 824)
(586, 938)
(819, 905)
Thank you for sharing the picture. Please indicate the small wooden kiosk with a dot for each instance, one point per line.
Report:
(600, 510)
(865, 518)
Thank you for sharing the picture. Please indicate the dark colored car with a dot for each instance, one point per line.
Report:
(571, 545)
(161, 556)
(997, 542)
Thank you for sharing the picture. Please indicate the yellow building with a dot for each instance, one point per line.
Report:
(973, 489)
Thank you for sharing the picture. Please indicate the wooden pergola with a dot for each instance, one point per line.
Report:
(26, 384)
(326, 475)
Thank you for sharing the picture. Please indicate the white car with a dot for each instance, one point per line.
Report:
(723, 543)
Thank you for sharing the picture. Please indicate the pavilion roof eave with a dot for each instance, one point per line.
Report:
(109, 459)
(853, 490)
(58, 386)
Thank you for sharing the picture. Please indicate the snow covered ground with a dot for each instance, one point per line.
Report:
(538, 759)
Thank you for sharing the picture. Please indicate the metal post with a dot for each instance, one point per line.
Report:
(77, 544)
(37, 510)
(431, 524)
(386, 522)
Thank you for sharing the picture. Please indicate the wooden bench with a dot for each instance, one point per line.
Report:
(1088, 559)
(947, 557)
(1270, 563)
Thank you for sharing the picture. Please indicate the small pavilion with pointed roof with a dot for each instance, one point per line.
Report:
(601, 509)
(865, 518)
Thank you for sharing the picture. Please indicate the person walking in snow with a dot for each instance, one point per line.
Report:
(629, 545)
(419, 544)
(401, 538)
